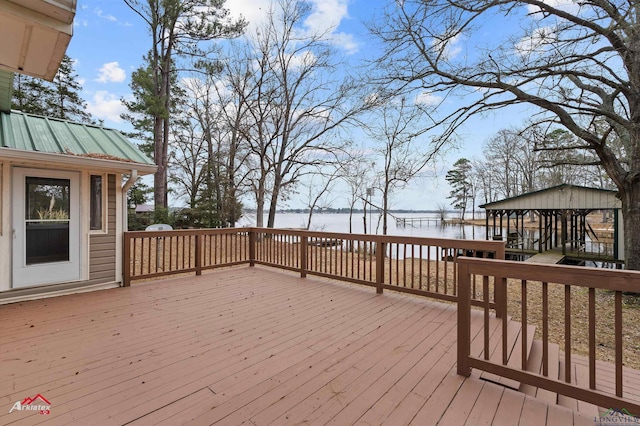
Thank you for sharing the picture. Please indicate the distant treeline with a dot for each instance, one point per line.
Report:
(346, 210)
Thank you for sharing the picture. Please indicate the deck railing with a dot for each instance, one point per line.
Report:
(422, 266)
(574, 295)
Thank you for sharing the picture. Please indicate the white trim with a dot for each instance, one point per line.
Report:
(76, 161)
(80, 289)
(119, 224)
(24, 275)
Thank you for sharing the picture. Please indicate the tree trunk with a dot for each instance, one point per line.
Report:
(260, 206)
(277, 182)
(161, 172)
(631, 218)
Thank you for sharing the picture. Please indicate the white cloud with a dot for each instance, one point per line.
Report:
(536, 42)
(326, 16)
(111, 73)
(254, 11)
(566, 5)
(101, 14)
(427, 99)
(450, 46)
(107, 106)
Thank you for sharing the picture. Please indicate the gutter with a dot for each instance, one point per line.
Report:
(133, 176)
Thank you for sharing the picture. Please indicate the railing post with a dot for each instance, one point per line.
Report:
(199, 238)
(500, 287)
(252, 247)
(126, 260)
(303, 256)
(464, 319)
(380, 252)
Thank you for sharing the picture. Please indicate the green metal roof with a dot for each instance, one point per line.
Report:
(34, 133)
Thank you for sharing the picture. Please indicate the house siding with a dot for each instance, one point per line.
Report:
(102, 247)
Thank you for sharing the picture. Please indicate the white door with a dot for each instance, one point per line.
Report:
(46, 227)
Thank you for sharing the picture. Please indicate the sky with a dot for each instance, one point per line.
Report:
(110, 40)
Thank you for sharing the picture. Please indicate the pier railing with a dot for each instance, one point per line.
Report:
(422, 266)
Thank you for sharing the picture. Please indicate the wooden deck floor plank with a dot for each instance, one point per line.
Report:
(426, 385)
(485, 406)
(399, 391)
(54, 312)
(125, 335)
(179, 411)
(251, 398)
(159, 343)
(252, 351)
(146, 311)
(373, 393)
(534, 412)
(387, 403)
(436, 405)
(248, 377)
(307, 399)
(463, 402)
(557, 415)
(510, 408)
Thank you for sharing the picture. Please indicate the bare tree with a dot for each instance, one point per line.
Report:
(357, 175)
(298, 103)
(187, 162)
(577, 63)
(319, 188)
(397, 131)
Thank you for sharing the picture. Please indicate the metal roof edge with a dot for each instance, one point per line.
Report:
(76, 161)
(551, 188)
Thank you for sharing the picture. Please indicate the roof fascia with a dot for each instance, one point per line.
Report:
(76, 161)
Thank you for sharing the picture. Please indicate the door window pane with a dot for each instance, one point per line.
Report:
(47, 220)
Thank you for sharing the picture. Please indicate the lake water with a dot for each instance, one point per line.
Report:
(339, 222)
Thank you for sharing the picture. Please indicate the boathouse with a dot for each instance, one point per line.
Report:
(560, 213)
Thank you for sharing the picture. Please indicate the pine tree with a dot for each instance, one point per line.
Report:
(458, 178)
(58, 99)
(177, 27)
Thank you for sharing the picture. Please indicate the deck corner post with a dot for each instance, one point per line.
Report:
(380, 251)
(464, 320)
(126, 260)
(252, 247)
(199, 238)
(303, 256)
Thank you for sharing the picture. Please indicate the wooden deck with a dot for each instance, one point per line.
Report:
(250, 346)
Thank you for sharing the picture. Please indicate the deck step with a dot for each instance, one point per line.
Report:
(580, 377)
(534, 365)
(514, 353)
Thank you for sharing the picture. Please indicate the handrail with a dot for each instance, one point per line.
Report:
(422, 266)
(534, 278)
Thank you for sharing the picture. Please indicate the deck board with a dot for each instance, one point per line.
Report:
(245, 345)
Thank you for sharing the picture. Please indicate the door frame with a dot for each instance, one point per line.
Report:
(24, 275)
